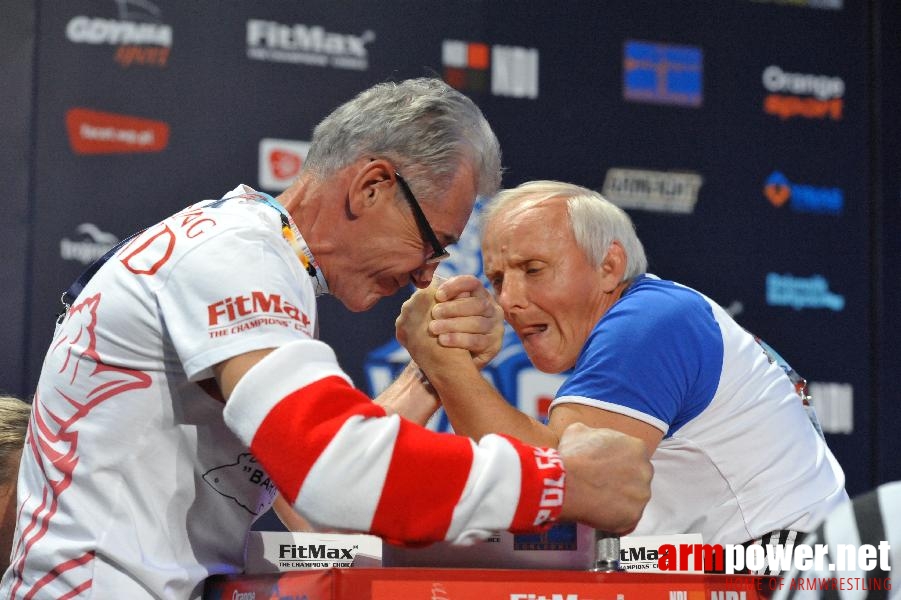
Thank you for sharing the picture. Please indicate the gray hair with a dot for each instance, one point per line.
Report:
(596, 222)
(424, 126)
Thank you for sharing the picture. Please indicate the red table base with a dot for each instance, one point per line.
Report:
(485, 584)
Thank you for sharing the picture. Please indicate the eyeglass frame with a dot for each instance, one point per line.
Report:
(439, 252)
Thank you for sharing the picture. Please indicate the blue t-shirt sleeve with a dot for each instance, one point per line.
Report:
(656, 355)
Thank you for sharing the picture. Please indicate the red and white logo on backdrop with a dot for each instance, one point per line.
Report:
(96, 132)
(280, 162)
(477, 67)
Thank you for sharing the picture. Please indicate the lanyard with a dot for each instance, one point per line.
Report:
(292, 235)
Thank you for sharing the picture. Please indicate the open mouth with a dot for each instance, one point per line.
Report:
(530, 330)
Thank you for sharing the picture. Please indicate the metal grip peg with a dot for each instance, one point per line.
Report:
(606, 552)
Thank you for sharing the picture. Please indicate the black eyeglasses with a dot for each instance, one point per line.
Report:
(439, 253)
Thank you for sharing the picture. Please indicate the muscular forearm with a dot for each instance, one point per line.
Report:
(410, 396)
(475, 408)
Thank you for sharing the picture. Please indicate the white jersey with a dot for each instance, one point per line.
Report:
(136, 482)
(131, 484)
(739, 457)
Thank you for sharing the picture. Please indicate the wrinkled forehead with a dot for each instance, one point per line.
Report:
(523, 210)
(459, 203)
(528, 227)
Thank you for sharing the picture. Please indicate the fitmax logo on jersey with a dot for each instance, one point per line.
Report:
(311, 45)
(513, 69)
(803, 198)
(93, 244)
(802, 292)
(802, 95)
(242, 313)
(140, 37)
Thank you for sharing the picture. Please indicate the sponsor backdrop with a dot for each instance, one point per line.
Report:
(887, 170)
(16, 44)
(754, 142)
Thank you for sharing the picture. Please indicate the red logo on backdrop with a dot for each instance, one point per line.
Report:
(285, 164)
(544, 408)
(96, 132)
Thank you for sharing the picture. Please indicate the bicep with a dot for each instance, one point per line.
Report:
(564, 415)
(230, 371)
(288, 516)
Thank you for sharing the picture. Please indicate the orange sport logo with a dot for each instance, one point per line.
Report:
(802, 95)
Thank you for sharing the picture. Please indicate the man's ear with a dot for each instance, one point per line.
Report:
(613, 267)
(374, 180)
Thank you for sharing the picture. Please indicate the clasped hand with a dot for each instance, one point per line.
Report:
(453, 314)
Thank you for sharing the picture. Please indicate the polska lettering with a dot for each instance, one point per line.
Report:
(552, 493)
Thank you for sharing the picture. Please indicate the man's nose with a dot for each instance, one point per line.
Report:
(422, 276)
(511, 295)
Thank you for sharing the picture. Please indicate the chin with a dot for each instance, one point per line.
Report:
(358, 307)
(551, 365)
(360, 304)
(551, 369)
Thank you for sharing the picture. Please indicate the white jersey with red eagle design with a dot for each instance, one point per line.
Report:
(132, 483)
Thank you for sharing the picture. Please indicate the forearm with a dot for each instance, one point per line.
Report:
(410, 396)
(475, 408)
(342, 463)
(288, 516)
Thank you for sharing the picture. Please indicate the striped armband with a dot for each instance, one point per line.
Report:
(543, 484)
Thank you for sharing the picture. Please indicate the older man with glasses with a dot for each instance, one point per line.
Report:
(185, 386)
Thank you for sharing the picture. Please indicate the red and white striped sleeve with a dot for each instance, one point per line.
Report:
(344, 464)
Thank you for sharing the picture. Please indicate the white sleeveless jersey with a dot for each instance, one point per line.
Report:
(131, 484)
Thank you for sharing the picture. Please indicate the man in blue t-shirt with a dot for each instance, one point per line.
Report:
(735, 455)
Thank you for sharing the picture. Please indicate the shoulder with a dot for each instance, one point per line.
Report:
(209, 230)
(664, 296)
(653, 307)
(244, 209)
